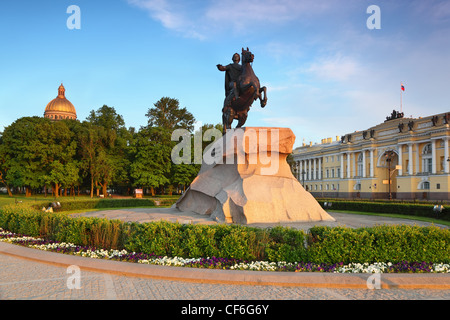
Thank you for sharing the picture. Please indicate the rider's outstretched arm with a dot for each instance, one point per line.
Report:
(221, 67)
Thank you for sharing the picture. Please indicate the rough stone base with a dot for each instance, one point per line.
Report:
(249, 181)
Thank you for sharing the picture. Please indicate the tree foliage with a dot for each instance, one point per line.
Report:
(168, 114)
(99, 154)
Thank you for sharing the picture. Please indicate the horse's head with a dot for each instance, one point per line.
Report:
(247, 56)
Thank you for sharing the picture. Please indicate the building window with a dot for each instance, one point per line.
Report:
(427, 165)
(427, 149)
(425, 185)
(360, 165)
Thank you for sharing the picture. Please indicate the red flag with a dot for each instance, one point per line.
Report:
(403, 87)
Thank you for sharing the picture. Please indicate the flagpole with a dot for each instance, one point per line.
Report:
(402, 88)
(401, 98)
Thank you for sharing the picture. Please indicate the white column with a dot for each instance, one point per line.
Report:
(320, 169)
(300, 169)
(315, 169)
(413, 163)
(371, 164)
(433, 156)
(364, 163)
(400, 159)
(446, 163)
(342, 166)
(354, 163)
(309, 170)
(305, 163)
(348, 165)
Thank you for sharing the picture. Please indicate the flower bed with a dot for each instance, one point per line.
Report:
(221, 263)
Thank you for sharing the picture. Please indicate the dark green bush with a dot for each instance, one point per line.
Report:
(407, 208)
(286, 244)
(379, 244)
(161, 238)
(320, 245)
(226, 241)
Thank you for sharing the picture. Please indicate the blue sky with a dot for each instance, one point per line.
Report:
(327, 74)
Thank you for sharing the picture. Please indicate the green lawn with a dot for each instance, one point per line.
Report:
(5, 199)
(39, 199)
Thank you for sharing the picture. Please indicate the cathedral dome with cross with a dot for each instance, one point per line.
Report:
(60, 108)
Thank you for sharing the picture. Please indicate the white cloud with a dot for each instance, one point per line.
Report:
(172, 15)
(238, 13)
(432, 11)
(202, 20)
(336, 68)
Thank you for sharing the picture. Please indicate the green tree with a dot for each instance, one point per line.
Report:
(184, 173)
(151, 161)
(168, 114)
(35, 150)
(165, 116)
(24, 153)
(91, 146)
(4, 166)
(61, 167)
(113, 160)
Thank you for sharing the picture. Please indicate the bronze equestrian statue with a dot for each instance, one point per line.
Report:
(242, 87)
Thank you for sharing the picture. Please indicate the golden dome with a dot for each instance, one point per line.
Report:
(60, 108)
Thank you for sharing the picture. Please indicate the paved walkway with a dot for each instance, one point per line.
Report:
(174, 215)
(34, 274)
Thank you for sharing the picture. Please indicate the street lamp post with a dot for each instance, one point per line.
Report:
(389, 155)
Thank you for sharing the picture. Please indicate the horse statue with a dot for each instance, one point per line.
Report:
(237, 103)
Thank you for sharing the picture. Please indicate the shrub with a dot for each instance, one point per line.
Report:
(200, 241)
(414, 209)
(321, 245)
(161, 238)
(379, 244)
(286, 245)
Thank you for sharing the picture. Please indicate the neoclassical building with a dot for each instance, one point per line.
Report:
(402, 158)
(60, 108)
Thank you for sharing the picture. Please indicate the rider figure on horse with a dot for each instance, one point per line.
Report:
(233, 71)
(242, 87)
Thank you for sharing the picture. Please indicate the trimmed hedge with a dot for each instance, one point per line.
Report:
(161, 238)
(67, 205)
(379, 244)
(413, 209)
(319, 245)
